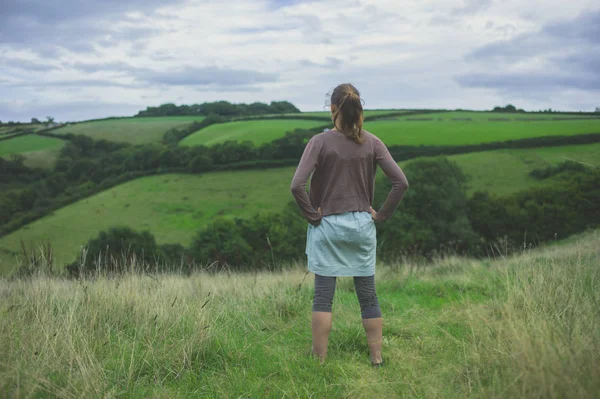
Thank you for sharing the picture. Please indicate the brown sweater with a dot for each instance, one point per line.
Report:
(344, 176)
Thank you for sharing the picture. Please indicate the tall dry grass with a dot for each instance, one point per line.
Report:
(529, 328)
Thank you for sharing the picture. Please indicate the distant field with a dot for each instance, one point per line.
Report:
(129, 130)
(174, 207)
(39, 151)
(367, 112)
(29, 143)
(444, 128)
(403, 131)
(259, 132)
(506, 171)
(485, 116)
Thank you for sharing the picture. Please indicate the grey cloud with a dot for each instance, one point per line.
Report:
(47, 26)
(569, 50)
(67, 111)
(522, 82)
(117, 66)
(26, 65)
(204, 76)
(73, 83)
(472, 7)
(329, 62)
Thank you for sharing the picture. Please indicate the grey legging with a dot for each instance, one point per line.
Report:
(365, 291)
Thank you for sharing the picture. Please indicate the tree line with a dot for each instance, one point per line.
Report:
(222, 108)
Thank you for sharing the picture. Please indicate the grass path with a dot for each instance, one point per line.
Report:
(525, 327)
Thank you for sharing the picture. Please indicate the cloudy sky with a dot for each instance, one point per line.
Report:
(81, 59)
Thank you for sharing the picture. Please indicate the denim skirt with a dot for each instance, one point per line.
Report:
(342, 245)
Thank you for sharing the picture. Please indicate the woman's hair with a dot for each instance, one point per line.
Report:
(349, 110)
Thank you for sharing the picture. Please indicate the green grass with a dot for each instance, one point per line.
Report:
(447, 132)
(174, 207)
(367, 112)
(259, 132)
(129, 130)
(524, 327)
(39, 151)
(28, 143)
(443, 130)
(485, 116)
(507, 171)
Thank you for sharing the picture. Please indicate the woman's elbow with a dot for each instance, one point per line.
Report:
(296, 188)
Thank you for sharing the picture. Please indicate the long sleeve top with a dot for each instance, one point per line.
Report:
(343, 176)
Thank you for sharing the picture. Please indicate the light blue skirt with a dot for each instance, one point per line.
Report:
(342, 245)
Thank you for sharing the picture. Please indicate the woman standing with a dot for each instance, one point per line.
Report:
(341, 237)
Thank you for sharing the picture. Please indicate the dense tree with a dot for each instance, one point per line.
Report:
(222, 108)
(433, 214)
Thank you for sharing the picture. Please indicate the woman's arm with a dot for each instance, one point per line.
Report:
(308, 163)
(397, 177)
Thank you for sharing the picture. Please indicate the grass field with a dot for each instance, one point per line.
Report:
(366, 112)
(23, 144)
(259, 132)
(524, 327)
(174, 207)
(412, 130)
(447, 132)
(39, 151)
(485, 116)
(129, 130)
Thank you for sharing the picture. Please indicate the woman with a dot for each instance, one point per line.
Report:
(341, 238)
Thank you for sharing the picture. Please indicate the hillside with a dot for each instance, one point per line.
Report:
(445, 128)
(526, 326)
(174, 207)
(129, 130)
(39, 151)
(259, 132)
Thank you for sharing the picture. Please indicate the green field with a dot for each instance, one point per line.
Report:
(485, 116)
(411, 130)
(367, 112)
(174, 207)
(39, 151)
(129, 130)
(29, 143)
(523, 327)
(259, 132)
(447, 132)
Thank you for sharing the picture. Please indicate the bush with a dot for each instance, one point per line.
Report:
(433, 214)
(568, 166)
(540, 214)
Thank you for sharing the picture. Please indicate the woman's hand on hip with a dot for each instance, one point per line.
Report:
(373, 214)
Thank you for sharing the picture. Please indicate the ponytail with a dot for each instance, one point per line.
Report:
(348, 112)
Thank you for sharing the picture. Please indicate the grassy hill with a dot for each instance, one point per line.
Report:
(129, 130)
(445, 128)
(174, 207)
(38, 151)
(524, 327)
(259, 132)
(408, 131)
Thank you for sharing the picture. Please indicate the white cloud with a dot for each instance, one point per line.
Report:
(399, 54)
